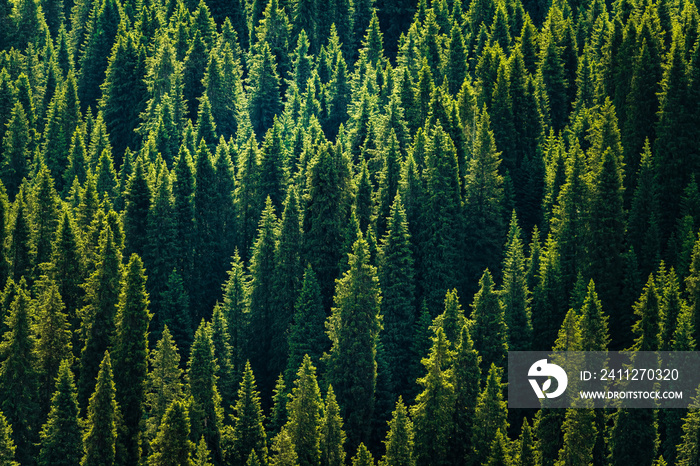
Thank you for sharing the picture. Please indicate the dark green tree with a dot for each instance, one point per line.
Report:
(172, 445)
(100, 438)
(248, 431)
(305, 410)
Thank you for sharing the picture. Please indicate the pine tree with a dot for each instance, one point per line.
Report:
(172, 445)
(515, 293)
(648, 326)
(278, 415)
(466, 379)
(163, 385)
(222, 351)
(137, 204)
(205, 403)
(53, 343)
(593, 323)
(263, 86)
(61, 436)
(235, 309)
(332, 436)
(98, 316)
(248, 431)
(489, 417)
(262, 304)
(579, 437)
(363, 457)
(21, 256)
(396, 276)
(131, 354)
(490, 330)
(16, 150)
(100, 438)
(305, 410)
(7, 446)
(526, 454)
(18, 377)
(484, 197)
(434, 406)
(688, 451)
(285, 454)
(306, 333)
(44, 206)
(634, 437)
(354, 329)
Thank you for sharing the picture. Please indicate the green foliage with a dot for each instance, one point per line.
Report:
(399, 439)
(305, 414)
(248, 432)
(172, 445)
(103, 415)
(61, 435)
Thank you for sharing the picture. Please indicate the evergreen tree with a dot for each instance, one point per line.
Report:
(205, 403)
(432, 412)
(263, 86)
(353, 328)
(515, 293)
(98, 316)
(18, 377)
(61, 436)
(100, 437)
(332, 435)
(363, 457)
(489, 417)
(53, 344)
(490, 330)
(16, 150)
(163, 386)
(131, 355)
(172, 445)
(637, 424)
(137, 200)
(647, 326)
(396, 277)
(7, 446)
(248, 431)
(466, 379)
(399, 439)
(305, 410)
(306, 333)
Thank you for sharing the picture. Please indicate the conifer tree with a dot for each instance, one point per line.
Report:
(163, 385)
(7, 446)
(526, 454)
(285, 454)
(278, 415)
(396, 277)
(248, 431)
(99, 441)
(484, 198)
(489, 417)
(647, 326)
(634, 437)
(61, 436)
(466, 379)
(332, 436)
(306, 333)
(98, 316)
(222, 351)
(205, 403)
(305, 409)
(131, 354)
(21, 254)
(137, 204)
(579, 437)
(234, 307)
(515, 293)
(53, 343)
(263, 86)
(363, 457)
(490, 330)
(172, 445)
(433, 409)
(18, 377)
(263, 311)
(399, 439)
(354, 328)
(16, 150)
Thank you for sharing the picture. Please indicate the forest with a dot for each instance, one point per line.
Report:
(307, 232)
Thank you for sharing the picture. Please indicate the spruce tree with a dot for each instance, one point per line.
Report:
(647, 326)
(137, 204)
(332, 436)
(306, 333)
(396, 277)
(305, 410)
(490, 416)
(164, 383)
(248, 431)
(98, 316)
(99, 441)
(263, 86)
(399, 439)
(363, 457)
(16, 150)
(53, 344)
(205, 403)
(18, 377)
(515, 295)
(131, 355)
(172, 445)
(7, 446)
(353, 328)
(434, 406)
(62, 436)
(490, 332)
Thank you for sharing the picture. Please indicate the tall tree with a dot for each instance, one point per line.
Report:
(353, 328)
(248, 431)
(61, 436)
(305, 410)
(131, 355)
(100, 437)
(172, 445)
